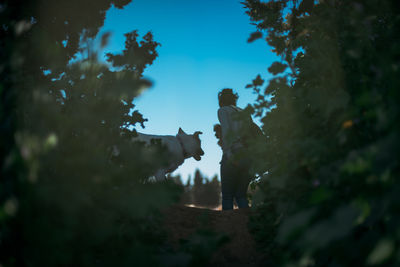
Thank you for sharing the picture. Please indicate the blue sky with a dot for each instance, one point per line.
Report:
(203, 49)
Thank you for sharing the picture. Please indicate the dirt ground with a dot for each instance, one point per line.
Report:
(181, 222)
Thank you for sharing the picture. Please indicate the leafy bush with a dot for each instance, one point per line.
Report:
(330, 194)
(74, 186)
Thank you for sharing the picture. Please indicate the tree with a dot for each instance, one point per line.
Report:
(213, 191)
(187, 196)
(331, 188)
(198, 190)
(205, 193)
(74, 186)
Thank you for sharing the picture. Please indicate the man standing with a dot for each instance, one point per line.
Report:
(235, 174)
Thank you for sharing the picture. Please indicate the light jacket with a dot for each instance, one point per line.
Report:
(230, 129)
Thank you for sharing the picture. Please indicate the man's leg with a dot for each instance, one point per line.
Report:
(227, 189)
(242, 180)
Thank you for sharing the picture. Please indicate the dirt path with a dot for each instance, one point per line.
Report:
(181, 222)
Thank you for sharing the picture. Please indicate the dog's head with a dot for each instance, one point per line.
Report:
(191, 144)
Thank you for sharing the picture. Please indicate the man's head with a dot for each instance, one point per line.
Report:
(226, 97)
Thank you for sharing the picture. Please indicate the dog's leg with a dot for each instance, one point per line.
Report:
(160, 175)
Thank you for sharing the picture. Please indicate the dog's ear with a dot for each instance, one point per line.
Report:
(180, 131)
(196, 134)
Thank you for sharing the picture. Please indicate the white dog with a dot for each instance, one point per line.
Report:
(180, 147)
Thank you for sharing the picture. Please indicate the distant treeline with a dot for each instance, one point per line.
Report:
(203, 192)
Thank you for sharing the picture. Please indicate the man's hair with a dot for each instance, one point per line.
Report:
(226, 97)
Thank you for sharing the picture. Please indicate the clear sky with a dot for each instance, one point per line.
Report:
(203, 49)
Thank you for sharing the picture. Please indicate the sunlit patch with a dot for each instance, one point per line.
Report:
(203, 207)
(347, 124)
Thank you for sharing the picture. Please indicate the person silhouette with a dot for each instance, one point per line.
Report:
(235, 170)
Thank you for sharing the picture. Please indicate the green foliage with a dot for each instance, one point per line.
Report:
(74, 188)
(277, 68)
(330, 194)
(202, 245)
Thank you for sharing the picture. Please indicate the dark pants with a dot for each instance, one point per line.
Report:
(235, 178)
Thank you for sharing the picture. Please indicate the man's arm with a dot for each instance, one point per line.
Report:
(224, 120)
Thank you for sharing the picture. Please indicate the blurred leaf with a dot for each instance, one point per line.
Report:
(105, 38)
(291, 226)
(326, 231)
(254, 36)
(277, 68)
(306, 6)
(258, 81)
(320, 195)
(365, 210)
(381, 252)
